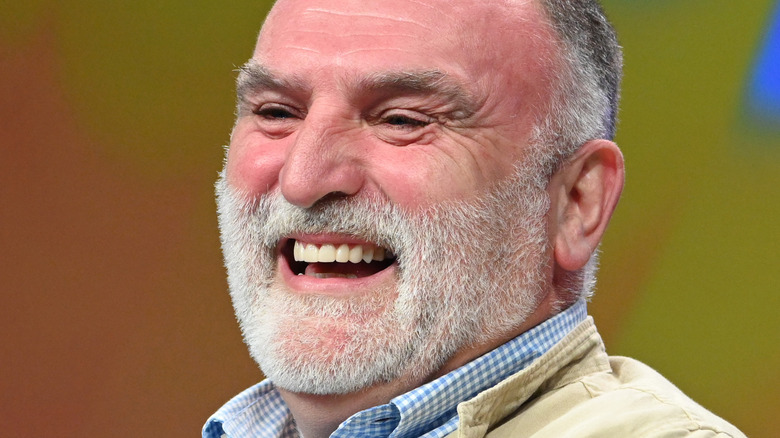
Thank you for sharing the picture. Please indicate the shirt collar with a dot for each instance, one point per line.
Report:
(258, 411)
(433, 406)
(429, 410)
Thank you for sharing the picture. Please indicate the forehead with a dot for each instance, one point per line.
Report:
(461, 37)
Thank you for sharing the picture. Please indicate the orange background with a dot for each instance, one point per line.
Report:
(117, 321)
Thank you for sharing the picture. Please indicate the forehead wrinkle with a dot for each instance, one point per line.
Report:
(366, 15)
(375, 49)
(352, 34)
(304, 48)
(437, 10)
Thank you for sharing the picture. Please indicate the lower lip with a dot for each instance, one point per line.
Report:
(335, 286)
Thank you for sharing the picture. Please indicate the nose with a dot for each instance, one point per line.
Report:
(324, 159)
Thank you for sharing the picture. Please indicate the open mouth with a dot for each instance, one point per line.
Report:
(336, 260)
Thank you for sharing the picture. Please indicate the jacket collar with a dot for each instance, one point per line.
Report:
(581, 352)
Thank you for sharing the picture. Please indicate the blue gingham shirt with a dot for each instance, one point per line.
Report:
(428, 411)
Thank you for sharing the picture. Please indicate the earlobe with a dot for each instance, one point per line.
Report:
(584, 193)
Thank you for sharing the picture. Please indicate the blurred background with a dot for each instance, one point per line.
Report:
(117, 320)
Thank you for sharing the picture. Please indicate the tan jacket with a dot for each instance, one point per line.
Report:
(576, 390)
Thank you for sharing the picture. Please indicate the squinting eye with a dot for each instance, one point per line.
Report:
(407, 122)
(402, 127)
(399, 120)
(276, 120)
(274, 112)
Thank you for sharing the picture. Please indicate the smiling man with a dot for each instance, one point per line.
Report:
(410, 210)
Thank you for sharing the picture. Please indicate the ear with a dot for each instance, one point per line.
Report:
(583, 195)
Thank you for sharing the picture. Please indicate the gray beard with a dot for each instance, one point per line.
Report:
(467, 272)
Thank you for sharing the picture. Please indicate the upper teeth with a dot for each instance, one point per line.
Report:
(329, 253)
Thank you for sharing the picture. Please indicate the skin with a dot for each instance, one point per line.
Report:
(328, 109)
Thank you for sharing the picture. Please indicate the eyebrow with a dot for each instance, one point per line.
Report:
(254, 77)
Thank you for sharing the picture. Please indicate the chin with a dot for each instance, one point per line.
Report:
(318, 345)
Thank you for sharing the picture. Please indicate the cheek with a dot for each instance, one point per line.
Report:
(253, 163)
(417, 177)
(455, 169)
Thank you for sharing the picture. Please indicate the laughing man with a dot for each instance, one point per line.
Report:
(411, 207)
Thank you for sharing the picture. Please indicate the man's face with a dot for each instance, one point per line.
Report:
(387, 133)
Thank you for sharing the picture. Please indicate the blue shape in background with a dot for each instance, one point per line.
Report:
(764, 94)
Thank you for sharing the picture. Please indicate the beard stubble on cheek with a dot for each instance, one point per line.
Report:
(453, 287)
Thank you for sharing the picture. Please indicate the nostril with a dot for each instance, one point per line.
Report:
(332, 196)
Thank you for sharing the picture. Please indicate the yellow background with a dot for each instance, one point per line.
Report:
(116, 319)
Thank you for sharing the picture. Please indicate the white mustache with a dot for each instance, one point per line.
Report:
(272, 218)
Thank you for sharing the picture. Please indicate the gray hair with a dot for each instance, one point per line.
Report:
(586, 89)
(585, 98)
